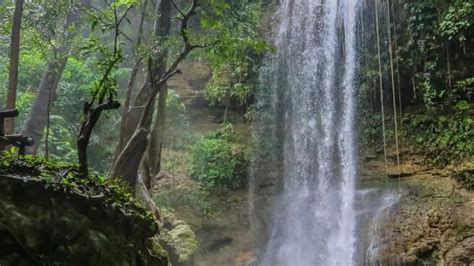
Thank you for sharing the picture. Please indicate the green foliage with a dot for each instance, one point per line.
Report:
(457, 21)
(436, 48)
(230, 83)
(371, 135)
(176, 117)
(444, 139)
(232, 28)
(466, 178)
(198, 200)
(216, 160)
(61, 140)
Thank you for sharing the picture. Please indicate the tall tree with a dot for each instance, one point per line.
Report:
(132, 80)
(128, 161)
(14, 61)
(152, 159)
(133, 113)
(37, 120)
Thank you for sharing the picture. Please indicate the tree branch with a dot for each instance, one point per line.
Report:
(177, 8)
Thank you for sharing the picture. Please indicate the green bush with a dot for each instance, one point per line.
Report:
(466, 178)
(218, 161)
(444, 139)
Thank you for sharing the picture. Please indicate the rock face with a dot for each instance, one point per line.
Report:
(44, 221)
(433, 224)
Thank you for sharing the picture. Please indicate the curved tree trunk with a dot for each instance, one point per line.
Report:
(14, 60)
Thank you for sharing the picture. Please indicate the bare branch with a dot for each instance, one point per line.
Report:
(177, 8)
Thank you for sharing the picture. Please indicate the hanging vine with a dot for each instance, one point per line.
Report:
(394, 95)
(377, 29)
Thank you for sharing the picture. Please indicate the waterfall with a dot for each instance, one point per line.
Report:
(310, 101)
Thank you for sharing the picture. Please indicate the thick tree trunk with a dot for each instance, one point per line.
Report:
(14, 61)
(38, 118)
(126, 165)
(143, 196)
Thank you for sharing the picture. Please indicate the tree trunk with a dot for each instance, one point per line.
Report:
(132, 116)
(152, 160)
(143, 196)
(14, 61)
(124, 127)
(126, 165)
(91, 117)
(136, 146)
(38, 117)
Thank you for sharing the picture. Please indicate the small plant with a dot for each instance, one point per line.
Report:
(218, 161)
(466, 178)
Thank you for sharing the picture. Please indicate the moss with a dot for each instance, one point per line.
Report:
(52, 215)
(185, 242)
(60, 176)
(179, 238)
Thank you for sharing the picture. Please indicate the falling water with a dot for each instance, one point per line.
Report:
(310, 81)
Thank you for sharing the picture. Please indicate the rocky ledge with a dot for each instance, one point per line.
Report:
(50, 215)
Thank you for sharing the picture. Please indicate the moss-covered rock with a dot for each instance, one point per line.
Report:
(49, 215)
(178, 238)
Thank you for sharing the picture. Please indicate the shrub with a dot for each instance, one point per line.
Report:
(444, 139)
(216, 160)
(466, 178)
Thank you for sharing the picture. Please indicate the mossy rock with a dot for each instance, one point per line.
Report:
(49, 215)
(179, 238)
(185, 242)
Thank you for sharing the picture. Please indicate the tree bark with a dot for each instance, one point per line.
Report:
(38, 117)
(9, 126)
(92, 115)
(143, 196)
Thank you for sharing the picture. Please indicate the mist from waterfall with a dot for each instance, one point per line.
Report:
(311, 98)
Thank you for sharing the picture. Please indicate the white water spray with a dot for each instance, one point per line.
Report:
(311, 82)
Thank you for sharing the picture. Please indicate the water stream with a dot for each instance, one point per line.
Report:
(311, 97)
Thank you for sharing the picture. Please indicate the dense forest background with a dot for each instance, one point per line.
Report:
(425, 75)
